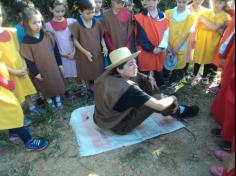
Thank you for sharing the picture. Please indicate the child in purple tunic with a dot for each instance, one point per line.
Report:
(59, 26)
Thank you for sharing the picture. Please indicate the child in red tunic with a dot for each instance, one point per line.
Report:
(152, 34)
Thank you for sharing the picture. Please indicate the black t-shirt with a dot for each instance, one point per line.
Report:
(134, 97)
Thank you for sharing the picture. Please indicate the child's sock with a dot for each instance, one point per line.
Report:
(181, 109)
(50, 102)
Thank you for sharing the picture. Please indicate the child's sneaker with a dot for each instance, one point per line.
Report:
(205, 81)
(60, 106)
(59, 103)
(214, 89)
(13, 137)
(216, 132)
(34, 111)
(190, 78)
(226, 146)
(217, 170)
(187, 111)
(69, 94)
(221, 155)
(27, 122)
(40, 102)
(36, 145)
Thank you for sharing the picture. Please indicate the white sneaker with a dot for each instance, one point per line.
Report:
(190, 78)
(195, 80)
(205, 81)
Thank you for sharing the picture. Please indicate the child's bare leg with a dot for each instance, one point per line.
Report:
(30, 104)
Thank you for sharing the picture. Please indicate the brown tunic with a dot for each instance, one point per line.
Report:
(108, 91)
(90, 39)
(42, 54)
(119, 31)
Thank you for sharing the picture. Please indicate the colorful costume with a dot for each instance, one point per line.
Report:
(223, 107)
(231, 27)
(11, 112)
(150, 34)
(180, 25)
(20, 32)
(208, 41)
(9, 54)
(42, 57)
(118, 29)
(64, 41)
(90, 39)
(120, 103)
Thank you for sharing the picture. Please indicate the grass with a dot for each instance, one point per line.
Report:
(51, 125)
(135, 158)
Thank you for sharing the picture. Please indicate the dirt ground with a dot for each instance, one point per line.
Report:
(175, 154)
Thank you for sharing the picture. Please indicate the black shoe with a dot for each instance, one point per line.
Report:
(40, 102)
(226, 146)
(189, 111)
(69, 94)
(216, 132)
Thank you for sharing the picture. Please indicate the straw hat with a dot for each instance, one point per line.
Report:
(120, 56)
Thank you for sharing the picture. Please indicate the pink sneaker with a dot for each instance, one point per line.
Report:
(13, 137)
(220, 154)
(214, 90)
(217, 170)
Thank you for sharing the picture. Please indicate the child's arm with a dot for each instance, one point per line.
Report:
(84, 51)
(108, 40)
(164, 43)
(208, 25)
(33, 69)
(142, 39)
(104, 47)
(18, 73)
(58, 58)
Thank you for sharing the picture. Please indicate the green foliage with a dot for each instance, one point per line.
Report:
(72, 6)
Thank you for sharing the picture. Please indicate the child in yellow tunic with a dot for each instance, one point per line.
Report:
(9, 54)
(11, 114)
(211, 25)
(181, 26)
(196, 8)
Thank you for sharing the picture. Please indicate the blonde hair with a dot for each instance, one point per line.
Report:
(225, 8)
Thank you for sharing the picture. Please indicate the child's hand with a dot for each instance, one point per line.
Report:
(153, 84)
(39, 77)
(105, 51)
(89, 56)
(175, 52)
(61, 69)
(202, 19)
(157, 50)
(72, 55)
(20, 73)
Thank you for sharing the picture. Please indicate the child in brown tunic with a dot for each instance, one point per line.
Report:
(118, 26)
(88, 39)
(42, 57)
